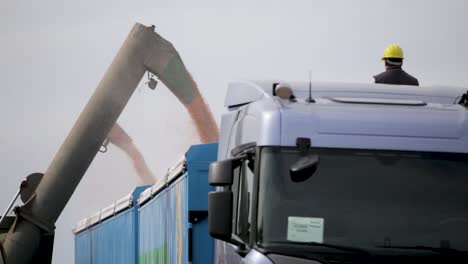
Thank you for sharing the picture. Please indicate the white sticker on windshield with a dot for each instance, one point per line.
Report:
(305, 229)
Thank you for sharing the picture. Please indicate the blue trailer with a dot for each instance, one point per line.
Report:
(163, 223)
(109, 235)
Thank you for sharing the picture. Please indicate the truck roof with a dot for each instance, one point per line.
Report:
(345, 115)
(241, 91)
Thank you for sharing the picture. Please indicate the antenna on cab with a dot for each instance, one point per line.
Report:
(310, 99)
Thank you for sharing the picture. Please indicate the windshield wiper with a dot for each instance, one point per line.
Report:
(434, 249)
(317, 244)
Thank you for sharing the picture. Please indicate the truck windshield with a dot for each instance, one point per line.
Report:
(365, 199)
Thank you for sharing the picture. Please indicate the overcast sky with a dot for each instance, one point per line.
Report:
(53, 53)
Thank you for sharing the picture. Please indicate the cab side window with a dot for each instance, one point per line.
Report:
(243, 200)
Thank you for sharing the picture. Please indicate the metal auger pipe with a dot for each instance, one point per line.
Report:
(39, 214)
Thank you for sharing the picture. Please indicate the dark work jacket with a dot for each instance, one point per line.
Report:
(396, 75)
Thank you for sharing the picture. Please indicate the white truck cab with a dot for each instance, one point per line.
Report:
(341, 173)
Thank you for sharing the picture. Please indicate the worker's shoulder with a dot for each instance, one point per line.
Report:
(377, 76)
(388, 75)
(411, 77)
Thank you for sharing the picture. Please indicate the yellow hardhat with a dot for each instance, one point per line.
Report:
(393, 51)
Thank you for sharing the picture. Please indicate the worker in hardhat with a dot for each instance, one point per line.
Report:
(394, 74)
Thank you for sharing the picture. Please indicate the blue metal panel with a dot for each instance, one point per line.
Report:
(113, 241)
(83, 248)
(152, 231)
(199, 158)
(198, 185)
(177, 221)
(164, 226)
(138, 190)
(203, 244)
(202, 152)
(136, 214)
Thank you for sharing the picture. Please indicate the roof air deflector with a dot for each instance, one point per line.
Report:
(377, 101)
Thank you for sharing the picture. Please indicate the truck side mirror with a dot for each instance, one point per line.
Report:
(221, 203)
(221, 172)
(304, 168)
(220, 215)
